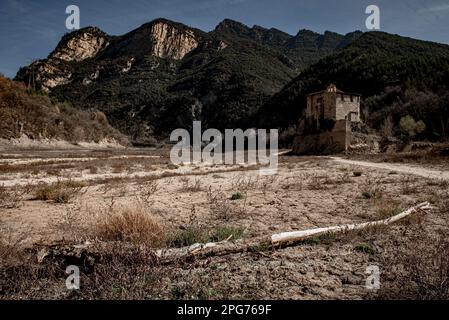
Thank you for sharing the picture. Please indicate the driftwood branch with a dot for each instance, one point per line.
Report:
(227, 247)
(294, 236)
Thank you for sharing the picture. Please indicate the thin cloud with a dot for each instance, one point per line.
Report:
(18, 6)
(437, 8)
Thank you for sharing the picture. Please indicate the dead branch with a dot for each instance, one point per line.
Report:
(227, 247)
(294, 236)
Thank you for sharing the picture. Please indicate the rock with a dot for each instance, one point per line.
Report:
(42, 255)
(170, 42)
(81, 45)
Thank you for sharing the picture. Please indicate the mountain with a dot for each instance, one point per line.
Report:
(163, 75)
(303, 49)
(32, 113)
(396, 76)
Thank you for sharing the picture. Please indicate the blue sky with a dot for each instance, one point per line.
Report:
(31, 29)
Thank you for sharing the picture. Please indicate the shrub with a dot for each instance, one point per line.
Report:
(411, 127)
(326, 239)
(100, 117)
(92, 169)
(388, 210)
(224, 233)
(237, 196)
(60, 192)
(260, 247)
(220, 205)
(11, 197)
(130, 225)
(357, 173)
(372, 189)
(45, 192)
(317, 183)
(365, 248)
(191, 187)
(420, 269)
(189, 236)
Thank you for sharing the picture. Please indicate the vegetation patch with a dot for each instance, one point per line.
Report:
(365, 248)
(237, 196)
(60, 192)
(130, 225)
(197, 234)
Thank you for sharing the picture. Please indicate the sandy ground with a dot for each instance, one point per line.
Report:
(306, 192)
(402, 168)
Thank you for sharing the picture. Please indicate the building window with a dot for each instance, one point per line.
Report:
(352, 99)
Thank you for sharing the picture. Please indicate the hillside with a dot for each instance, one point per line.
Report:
(164, 74)
(396, 76)
(34, 114)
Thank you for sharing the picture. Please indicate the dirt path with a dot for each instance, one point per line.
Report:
(402, 168)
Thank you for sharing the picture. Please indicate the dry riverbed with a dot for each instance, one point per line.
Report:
(137, 198)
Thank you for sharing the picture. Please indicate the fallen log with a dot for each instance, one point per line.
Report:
(227, 247)
(285, 237)
(201, 250)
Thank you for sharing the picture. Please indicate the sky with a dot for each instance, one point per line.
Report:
(31, 29)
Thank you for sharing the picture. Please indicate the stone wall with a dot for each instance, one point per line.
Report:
(346, 104)
(336, 140)
(333, 105)
(314, 109)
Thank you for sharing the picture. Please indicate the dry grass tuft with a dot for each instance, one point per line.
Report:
(409, 186)
(243, 184)
(147, 192)
(372, 188)
(11, 246)
(387, 208)
(13, 197)
(130, 225)
(60, 192)
(420, 270)
(222, 207)
(188, 186)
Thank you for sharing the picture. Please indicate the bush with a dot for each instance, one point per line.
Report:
(224, 233)
(189, 236)
(420, 269)
(237, 196)
(372, 189)
(60, 192)
(411, 127)
(11, 197)
(365, 248)
(388, 210)
(130, 225)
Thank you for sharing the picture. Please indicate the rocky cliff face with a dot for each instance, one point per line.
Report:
(170, 42)
(56, 70)
(81, 45)
(160, 38)
(45, 74)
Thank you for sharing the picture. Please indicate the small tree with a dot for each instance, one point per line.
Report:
(411, 127)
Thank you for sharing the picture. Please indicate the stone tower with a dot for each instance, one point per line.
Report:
(329, 117)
